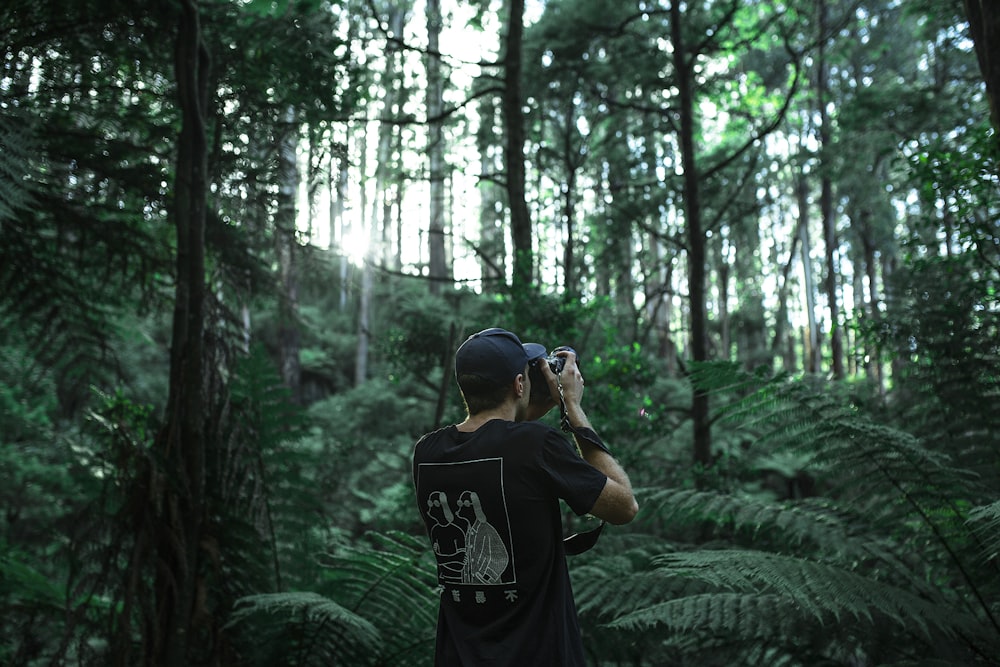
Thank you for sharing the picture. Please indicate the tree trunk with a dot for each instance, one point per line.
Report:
(984, 27)
(781, 318)
(365, 293)
(570, 284)
(873, 363)
(725, 323)
(287, 248)
(520, 218)
(831, 284)
(181, 442)
(340, 229)
(380, 217)
(683, 70)
(439, 273)
(811, 339)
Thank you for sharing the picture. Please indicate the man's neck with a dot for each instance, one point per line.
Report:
(506, 412)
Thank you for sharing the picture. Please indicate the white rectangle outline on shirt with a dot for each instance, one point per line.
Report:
(503, 496)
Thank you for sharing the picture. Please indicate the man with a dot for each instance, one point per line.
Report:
(513, 604)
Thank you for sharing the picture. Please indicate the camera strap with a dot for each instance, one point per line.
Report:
(580, 542)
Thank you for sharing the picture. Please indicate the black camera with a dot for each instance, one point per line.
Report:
(555, 362)
(539, 387)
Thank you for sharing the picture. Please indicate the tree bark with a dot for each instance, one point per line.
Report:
(831, 283)
(683, 71)
(380, 216)
(289, 337)
(520, 218)
(984, 27)
(781, 318)
(181, 442)
(811, 339)
(439, 272)
(492, 248)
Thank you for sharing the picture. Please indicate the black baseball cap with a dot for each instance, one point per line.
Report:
(496, 355)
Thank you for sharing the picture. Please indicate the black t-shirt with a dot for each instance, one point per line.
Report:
(490, 500)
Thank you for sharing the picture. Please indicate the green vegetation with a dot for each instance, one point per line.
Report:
(221, 329)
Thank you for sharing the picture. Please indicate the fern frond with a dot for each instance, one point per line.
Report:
(818, 590)
(743, 616)
(310, 629)
(985, 522)
(606, 586)
(816, 524)
(17, 151)
(393, 582)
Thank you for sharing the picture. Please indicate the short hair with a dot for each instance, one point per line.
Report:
(480, 394)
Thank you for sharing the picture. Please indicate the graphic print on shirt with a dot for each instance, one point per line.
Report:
(470, 525)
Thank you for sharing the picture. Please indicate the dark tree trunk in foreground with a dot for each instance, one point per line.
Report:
(179, 484)
(984, 27)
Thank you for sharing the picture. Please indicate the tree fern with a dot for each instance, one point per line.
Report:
(817, 579)
(809, 588)
(376, 607)
(393, 581)
(985, 522)
(304, 629)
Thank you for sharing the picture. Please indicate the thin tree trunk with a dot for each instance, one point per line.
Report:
(695, 236)
(365, 293)
(569, 204)
(831, 283)
(811, 340)
(984, 27)
(781, 318)
(287, 248)
(340, 229)
(181, 442)
(725, 328)
(439, 273)
(520, 218)
(492, 250)
(381, 208)
(874, 361)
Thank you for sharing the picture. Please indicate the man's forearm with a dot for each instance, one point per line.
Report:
(592, 452)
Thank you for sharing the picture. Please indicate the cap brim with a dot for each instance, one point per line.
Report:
(534, 351)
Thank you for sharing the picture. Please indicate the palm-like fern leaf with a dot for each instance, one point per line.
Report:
(816, 589)
(393, 583)
(756, 599)
(985, 521)
(305, 629)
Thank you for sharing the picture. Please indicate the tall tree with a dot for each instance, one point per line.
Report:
(286, 245)
(180, 484)
(439, 272)
(984, 26)
(379, 217)
(831, 283)
(513, 117)
(684, 68)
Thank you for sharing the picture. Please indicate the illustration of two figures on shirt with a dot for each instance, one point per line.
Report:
(469, 549)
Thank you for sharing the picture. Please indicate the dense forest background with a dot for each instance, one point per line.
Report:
(241, 239)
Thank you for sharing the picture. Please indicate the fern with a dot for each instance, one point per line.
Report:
(814, 526)
(16, 150)
(985, 522)
(815, 589)
(310, 630)
(376, 606)
(805, 582)
(393, 582)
